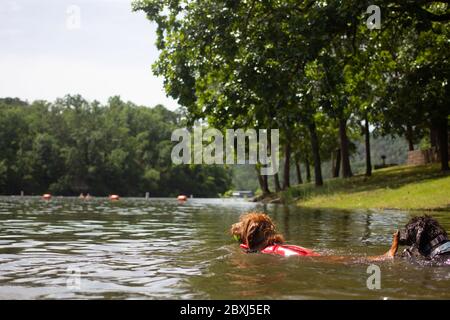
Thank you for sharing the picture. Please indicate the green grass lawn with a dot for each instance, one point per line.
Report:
(400, 187)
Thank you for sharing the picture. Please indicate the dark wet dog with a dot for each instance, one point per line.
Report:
(426, 240)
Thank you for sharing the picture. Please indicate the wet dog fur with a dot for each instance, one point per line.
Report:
(417, 235)
(256, 230)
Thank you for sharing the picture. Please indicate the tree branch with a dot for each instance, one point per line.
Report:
(435, 17)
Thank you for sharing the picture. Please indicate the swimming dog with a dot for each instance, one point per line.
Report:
(426, 239)
(256, 232)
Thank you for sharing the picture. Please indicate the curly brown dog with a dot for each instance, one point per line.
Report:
(256, 230)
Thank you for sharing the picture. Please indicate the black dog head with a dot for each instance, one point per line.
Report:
(419, 232)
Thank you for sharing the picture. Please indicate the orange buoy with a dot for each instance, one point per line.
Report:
(182, 198)
(46, 196)
(114, 197)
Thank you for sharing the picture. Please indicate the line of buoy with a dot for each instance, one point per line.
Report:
(113, 197)
(84, 197)
(46, 196)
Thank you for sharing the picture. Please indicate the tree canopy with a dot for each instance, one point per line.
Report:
(309, 64)
(73, 146)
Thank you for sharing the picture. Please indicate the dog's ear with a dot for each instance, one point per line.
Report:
(255, 235)
(236, 231)
(275, 239)
(421, 226)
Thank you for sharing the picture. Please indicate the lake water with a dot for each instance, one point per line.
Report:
(161, 249)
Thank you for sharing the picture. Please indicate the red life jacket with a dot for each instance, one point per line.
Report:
(286, 250)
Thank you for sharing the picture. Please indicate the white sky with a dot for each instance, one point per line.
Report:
(43, 55)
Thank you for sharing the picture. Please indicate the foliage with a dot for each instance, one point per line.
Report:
(307, 68)
(73, 146)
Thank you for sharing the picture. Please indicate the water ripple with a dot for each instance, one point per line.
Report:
(159, 248)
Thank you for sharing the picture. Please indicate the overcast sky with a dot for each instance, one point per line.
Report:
(97, 48)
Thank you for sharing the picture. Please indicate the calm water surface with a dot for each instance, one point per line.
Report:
(161, 249)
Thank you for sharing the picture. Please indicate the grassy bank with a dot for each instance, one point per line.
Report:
(401, 187)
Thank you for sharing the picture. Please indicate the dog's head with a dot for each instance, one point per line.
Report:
(256, 230)
(419, 232)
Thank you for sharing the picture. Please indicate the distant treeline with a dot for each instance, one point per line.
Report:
(73, 146)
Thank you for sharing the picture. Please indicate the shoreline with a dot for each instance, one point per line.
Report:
(409, 188)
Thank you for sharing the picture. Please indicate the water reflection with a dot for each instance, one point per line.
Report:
(160, 248)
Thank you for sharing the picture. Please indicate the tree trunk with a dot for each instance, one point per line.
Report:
(409, 137)
(260, 180)
(333, 163)
(433, 135)
(308, 170)
(277, 182)
(316, 154)
(442, 132)
(337, 163)
(275, 176)
(299, 173)
(368, 159)
(345, 153)
(265, 189)
(287, 165)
